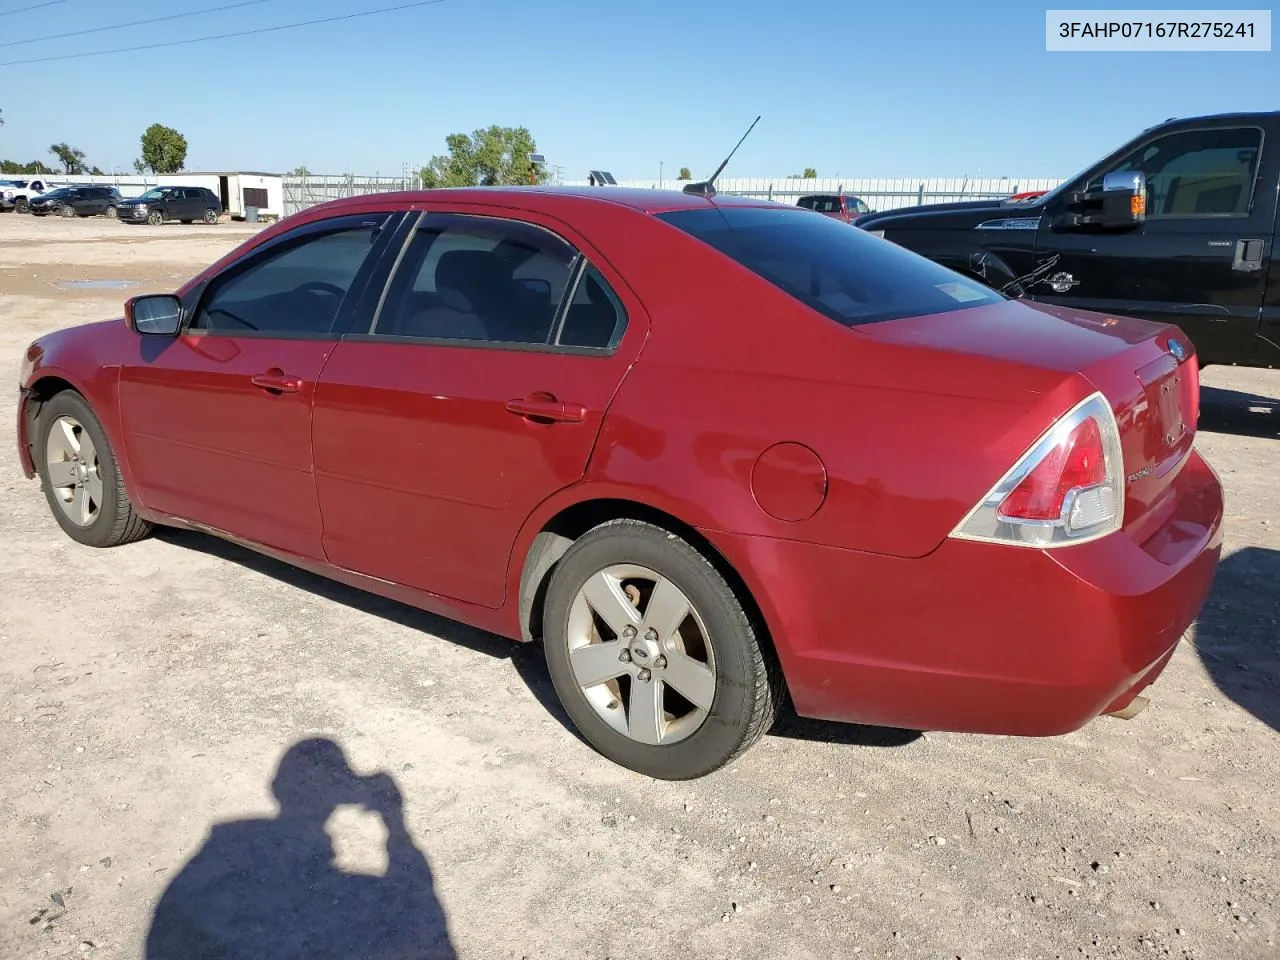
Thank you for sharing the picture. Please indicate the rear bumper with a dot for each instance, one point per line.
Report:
(984, 638)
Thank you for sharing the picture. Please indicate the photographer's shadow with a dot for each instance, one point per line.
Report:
(269, 888)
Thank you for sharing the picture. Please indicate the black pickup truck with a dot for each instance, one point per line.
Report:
(1178, 225)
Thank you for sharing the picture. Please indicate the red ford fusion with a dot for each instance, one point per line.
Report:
(711, 452)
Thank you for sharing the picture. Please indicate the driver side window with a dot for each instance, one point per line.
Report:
(295, 289)
(1197, 173)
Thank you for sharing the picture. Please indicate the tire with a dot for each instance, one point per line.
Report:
(67, 211)
(111, 213)
(114, 521)
(211, 216)
(155, 218)
(21, 205)
(715, 638)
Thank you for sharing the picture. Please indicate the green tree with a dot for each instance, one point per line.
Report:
(34, 167)
(810, 173)
(495, 156)
(72, 160)
(685, 174)
(164, 150)
(299, 171)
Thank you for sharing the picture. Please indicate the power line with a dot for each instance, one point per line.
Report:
(222, 36)
(34, 6)
(132, 23)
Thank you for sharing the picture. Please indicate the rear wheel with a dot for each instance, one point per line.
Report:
(155, 218)
(211, 215)
(80, 476)
(652, 654)
(111, 212)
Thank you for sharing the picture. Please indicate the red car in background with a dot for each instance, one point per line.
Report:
(844, 207)
(711, 452)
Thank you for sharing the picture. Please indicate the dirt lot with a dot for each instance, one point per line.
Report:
(148, 695)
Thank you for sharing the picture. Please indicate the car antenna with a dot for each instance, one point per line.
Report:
(707, 187)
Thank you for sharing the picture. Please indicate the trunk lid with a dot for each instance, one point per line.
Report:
(1148, 372)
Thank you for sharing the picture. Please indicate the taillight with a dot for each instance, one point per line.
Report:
(1068, 488)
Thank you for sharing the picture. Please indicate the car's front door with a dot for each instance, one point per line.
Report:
(473, 393)
(1199, 259)
(217, 421)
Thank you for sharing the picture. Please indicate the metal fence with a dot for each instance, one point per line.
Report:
(878, 193)
(129, 186)
(303, 192)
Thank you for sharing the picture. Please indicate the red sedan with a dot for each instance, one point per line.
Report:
(711, 452)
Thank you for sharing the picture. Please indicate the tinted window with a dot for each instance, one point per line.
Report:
(824, 204)
(478, 278)
(595, 316)
(842, 272)
(1198, 172)
(293, 289)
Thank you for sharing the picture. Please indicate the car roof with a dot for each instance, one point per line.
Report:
(548, 197)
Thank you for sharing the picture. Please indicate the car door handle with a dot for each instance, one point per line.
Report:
(1248, 256)
(277, 382)
(546, 407)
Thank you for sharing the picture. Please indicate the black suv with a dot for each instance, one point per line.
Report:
(77, 202)
(172, 203)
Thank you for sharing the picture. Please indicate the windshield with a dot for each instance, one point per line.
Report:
(842, 272)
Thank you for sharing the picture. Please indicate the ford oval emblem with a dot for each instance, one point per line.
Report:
(1178, 350)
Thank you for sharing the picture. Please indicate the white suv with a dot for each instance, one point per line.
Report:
(17, 194)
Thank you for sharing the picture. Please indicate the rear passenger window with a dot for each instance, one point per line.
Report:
(595, 317)
(479, 279)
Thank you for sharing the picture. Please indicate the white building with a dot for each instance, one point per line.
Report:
(238, 190)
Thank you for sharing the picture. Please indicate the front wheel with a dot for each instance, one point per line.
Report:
(67, 210)
(653, 655)
(80, 476)
(155, 218)
(21, 205)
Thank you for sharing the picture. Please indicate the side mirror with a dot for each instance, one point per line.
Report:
(158, 314)
(1121, 204)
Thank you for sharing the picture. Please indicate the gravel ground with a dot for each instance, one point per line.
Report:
(157, 700)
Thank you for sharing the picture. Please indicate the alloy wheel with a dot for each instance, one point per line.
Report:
(74, 476)
(641, 654)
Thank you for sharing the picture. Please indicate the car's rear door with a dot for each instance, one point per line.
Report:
(217, 421)
(474, 390)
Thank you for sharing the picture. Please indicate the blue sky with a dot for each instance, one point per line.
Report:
(853, 89)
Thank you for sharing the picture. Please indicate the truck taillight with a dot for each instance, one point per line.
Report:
(1068, 488)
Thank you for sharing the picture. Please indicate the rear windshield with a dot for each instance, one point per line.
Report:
(839, 270)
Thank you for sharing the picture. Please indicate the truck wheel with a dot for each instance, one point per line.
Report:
(21, 205)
